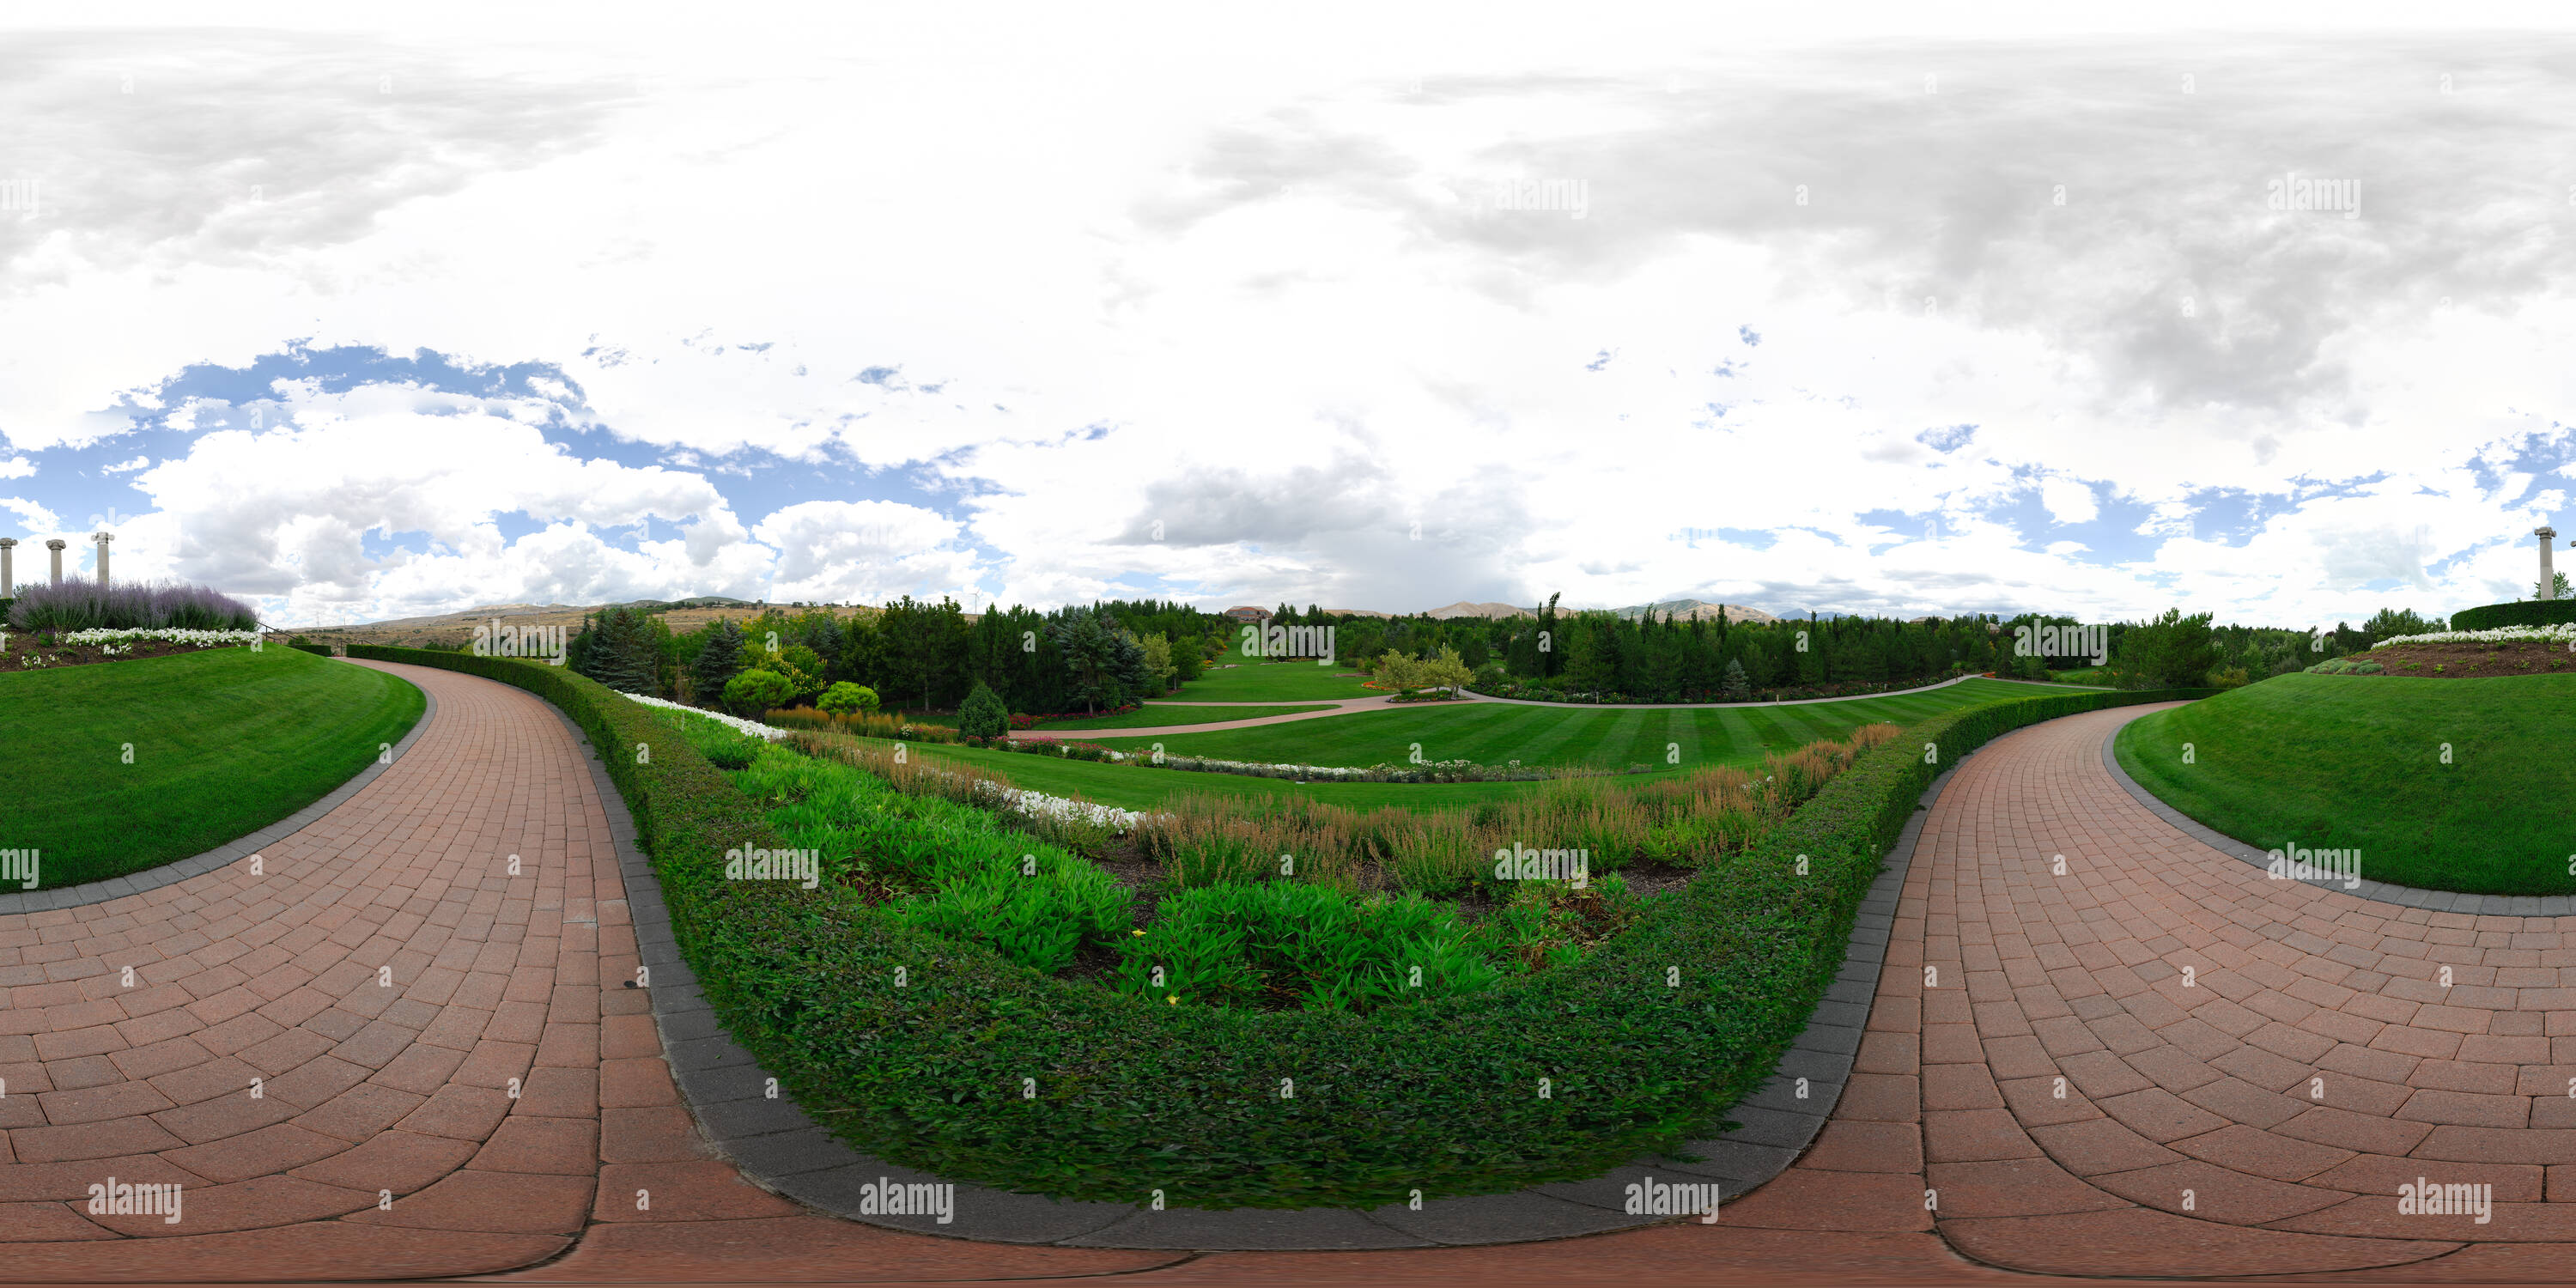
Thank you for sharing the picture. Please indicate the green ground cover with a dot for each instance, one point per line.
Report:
(1159, 716)
(2355, 762)
(1497, 733)
(225, 742)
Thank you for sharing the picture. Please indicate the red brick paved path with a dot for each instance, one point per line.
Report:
(368, 1088)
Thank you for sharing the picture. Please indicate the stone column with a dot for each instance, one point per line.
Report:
(56, 545)
(103, 538)
(8, 566)
(2548, 575)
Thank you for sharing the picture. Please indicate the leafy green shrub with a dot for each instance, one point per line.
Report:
(1318, 948)
(847, 699)
(320, 650)
(1137, 1094)
(736, 753)
(757, 690)
(2521, 612)
(983, 715)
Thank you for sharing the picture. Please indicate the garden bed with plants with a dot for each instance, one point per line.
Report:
(83, 623)
(2459, 655)
(23, 651)
(939, 1052)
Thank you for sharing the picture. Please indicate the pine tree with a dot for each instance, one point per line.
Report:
(622, 653)
(719, 661)
(1738, 688)
(983, 715)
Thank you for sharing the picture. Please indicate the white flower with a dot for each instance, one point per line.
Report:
(166, 634)
(752, 727)
(2555, 633)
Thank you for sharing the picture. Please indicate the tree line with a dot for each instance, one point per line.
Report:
(927, 656)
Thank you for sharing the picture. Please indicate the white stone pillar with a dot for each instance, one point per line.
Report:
(2548, 575)
(56, 545)
(8, 566)
(103, 538)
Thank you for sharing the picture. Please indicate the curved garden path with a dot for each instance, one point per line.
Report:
(2313, 1063)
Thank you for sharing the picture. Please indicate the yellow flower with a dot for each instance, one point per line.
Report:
(1174, 999)
(1135, 932)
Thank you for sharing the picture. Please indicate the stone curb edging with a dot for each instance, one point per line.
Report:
(775, 1145)
(179, 870)
(2486, 905)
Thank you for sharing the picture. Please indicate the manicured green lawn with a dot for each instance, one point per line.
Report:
(1156, 717)
(225, 742)
(1496, 733)
(2355, 762)
(1274, 682)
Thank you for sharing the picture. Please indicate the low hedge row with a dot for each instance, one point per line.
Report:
(2521, 612)
(323, 650)
(914, 1048)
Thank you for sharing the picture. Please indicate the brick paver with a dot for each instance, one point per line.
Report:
(2158, 1063)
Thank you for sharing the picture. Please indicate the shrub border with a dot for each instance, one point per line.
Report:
(796, 975)
(2518, 612)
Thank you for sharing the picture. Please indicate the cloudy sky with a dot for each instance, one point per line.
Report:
(1895, 310)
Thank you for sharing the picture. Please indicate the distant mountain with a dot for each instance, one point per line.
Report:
(1691, 610)
(1464, 609)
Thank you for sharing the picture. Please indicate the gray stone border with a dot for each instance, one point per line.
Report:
(179, 870)
(2487, 905)
(776, 1146)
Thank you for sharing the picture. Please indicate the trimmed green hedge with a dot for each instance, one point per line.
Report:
(321, 650)
(2521, 612)
(1442, 1095)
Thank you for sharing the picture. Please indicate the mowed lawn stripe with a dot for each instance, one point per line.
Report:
(1682, 727)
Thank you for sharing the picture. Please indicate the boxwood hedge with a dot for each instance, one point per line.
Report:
(913, 1047)
(2524, 612)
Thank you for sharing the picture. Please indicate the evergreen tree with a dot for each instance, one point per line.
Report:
(982, 715)
(718, 661)
(622, 653)
(1738, 689)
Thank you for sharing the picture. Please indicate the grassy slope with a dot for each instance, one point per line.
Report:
(2343, 762)
(1497, 733)
(1156, 717)
(226, 742)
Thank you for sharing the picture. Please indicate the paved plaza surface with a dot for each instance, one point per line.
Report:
(2251, 1069)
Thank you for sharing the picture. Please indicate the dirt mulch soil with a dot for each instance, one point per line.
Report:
(2471, 661)
(24, 649)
